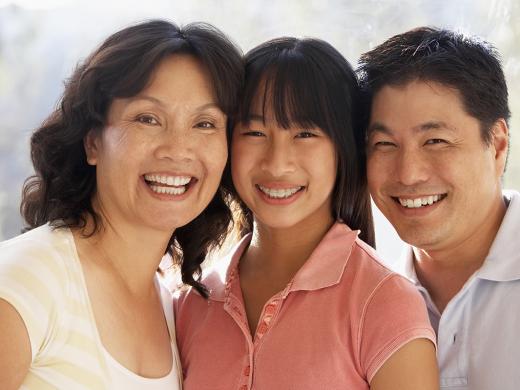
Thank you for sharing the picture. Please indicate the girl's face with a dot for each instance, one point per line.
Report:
(285, 176)
(160, 158)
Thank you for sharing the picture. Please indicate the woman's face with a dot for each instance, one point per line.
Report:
(285, 176)
(160, 158)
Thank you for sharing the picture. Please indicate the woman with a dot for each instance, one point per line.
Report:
(304, 303)
(127, 169)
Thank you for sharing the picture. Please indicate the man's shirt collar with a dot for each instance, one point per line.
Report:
(503, 260)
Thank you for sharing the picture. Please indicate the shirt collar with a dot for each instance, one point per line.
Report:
(407, 266)
(502, 263)
(325, 266)
(219, 277)
(322, 269)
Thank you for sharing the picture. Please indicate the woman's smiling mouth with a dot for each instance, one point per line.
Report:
(168, 184)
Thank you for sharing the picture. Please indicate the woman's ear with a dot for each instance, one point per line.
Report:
(91, 145)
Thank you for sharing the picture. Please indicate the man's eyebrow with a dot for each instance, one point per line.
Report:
(433, 125)
(379, 128)
(423, 127)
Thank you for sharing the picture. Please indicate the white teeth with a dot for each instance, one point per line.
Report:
(419, 202)
(168, 190)
(169, 180)
(279, 193)
(172, 185)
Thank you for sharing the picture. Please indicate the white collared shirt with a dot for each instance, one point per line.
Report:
(478, 334)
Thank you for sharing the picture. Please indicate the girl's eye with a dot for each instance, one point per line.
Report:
(147, 120)
(305, 134)
(253, 133)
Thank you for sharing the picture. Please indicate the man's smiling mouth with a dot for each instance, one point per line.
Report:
(423, 201)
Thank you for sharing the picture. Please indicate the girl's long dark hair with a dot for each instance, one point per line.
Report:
(309, 83)
(61, 190)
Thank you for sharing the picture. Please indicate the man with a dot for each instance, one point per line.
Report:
(437, 147)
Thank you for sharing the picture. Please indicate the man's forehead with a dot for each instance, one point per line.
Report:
(417, 105)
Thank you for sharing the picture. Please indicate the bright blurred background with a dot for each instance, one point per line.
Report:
(42, 40)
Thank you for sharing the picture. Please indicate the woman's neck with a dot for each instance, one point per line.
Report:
(132, 253)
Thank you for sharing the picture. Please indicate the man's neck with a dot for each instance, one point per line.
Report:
(443, 271)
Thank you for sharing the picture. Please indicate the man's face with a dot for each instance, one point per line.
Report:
(429, 171)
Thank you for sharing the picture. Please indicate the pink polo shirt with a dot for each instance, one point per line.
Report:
(332, 327)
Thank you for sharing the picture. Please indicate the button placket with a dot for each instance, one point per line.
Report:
(268, 314)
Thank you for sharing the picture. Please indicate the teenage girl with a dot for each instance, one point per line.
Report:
(303, 301)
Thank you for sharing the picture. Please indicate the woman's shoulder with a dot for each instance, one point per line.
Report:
(36, 267)
(42, 249)
(34, 280)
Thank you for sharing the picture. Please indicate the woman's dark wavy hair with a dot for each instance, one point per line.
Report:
(309, 83)
(61, 190)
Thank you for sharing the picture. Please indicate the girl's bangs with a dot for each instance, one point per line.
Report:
(290, 91)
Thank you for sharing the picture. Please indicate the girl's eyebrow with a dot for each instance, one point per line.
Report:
(255, 117)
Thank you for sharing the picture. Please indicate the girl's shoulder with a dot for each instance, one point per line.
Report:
(216, 276)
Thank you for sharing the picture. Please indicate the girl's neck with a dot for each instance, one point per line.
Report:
(284, 250)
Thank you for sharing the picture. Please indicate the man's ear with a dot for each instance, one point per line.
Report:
(91, 145)
(500, 144)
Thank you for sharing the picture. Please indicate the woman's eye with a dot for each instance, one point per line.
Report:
(205, 125)
(147, 120)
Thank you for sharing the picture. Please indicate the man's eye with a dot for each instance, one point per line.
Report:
(147, 120)
(435, 141)
(383, 144)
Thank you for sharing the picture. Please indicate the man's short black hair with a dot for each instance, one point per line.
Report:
(468, 64)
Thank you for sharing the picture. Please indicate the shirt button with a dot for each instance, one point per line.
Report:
(244, 387)
(270, 309)
(262, 328)
(247, 370)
